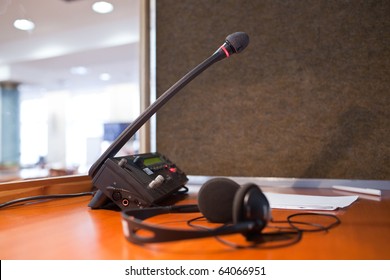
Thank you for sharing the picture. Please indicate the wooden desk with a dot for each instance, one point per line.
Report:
(69, 229)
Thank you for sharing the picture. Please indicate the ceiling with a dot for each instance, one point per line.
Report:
(69, 34)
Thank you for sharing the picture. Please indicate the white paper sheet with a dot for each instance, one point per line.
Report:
(308, 202)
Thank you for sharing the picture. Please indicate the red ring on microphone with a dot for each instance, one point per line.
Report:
(225, 51)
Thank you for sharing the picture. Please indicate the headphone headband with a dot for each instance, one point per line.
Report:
(132, 222)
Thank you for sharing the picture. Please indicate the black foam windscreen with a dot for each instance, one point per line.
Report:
(238, 40)
(215, 199)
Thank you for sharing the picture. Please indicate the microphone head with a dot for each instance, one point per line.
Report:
(238, 41)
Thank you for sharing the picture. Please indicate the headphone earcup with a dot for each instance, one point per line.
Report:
(215, 199)
(250, 204)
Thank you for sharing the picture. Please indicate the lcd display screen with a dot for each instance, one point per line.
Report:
(152, 160)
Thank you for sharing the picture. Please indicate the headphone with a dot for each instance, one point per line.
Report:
(241, 209)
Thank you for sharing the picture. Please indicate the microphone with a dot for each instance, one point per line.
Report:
(142, 180)
(234, 43)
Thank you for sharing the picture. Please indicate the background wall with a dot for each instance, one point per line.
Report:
(308, 98)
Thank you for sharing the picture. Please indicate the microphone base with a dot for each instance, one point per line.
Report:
(136, 181)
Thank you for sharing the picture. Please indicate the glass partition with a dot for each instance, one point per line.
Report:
(67, 86)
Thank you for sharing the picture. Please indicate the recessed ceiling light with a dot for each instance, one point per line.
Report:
(105, 77)
(79, 70)
(102, 7)
(24, 24)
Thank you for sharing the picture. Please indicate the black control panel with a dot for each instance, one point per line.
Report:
(136, 181)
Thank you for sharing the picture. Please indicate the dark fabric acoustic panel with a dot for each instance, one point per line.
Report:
(308, 98)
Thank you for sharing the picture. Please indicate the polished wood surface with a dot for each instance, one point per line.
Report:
(44, 186)
(68, 229)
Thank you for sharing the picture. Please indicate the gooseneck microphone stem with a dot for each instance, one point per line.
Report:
(125, 136)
